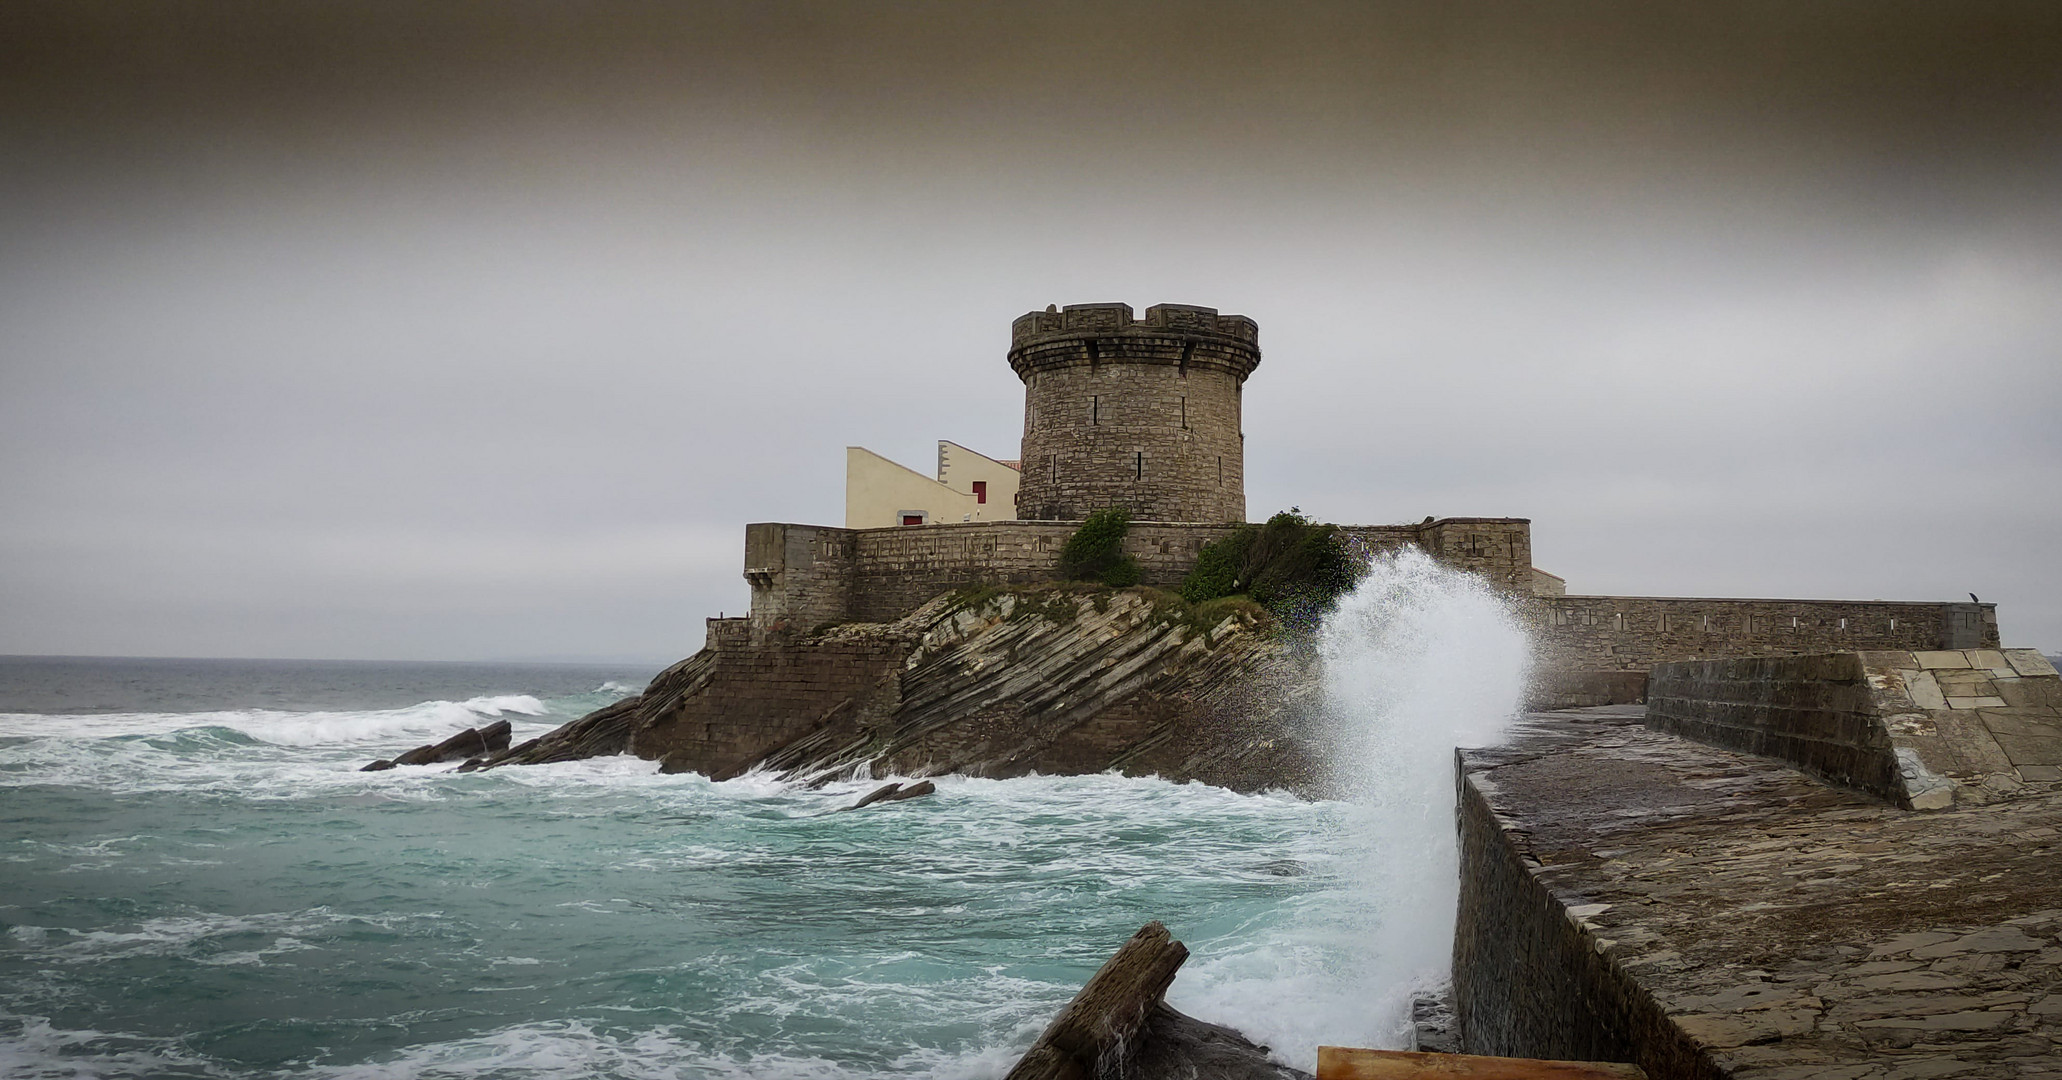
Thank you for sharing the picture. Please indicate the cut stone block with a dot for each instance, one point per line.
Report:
(2029, 750)
(1954, 659)
(1989, 658)
(2029, 662)
(2039, 723)
(1986, 702)
(1964, 683)
(1924, 690)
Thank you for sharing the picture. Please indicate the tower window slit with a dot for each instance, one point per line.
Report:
(1184, 414)
(1095, 409)
(1138, 466)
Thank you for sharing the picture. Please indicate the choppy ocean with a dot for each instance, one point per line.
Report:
(196, 881)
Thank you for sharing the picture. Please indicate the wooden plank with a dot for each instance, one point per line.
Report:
(1348, 1063)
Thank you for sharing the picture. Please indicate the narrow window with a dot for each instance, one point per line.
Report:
(1893, 624)
(1138, 466)
(1184, 414)
(1220, 471)
(981, 492)
(1095, 410)
(1706, 627)
(1618, 621)
(1843, 624)
(1055, 459)
(1796, 623)
(1188, 349)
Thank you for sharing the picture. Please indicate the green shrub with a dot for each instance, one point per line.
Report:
(1096, 551)
(1216, 572)
(1294, 567)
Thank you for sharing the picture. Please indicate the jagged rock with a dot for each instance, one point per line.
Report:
(876, 795)
(1119, 1026)
(601, 733)
(465, 744)
(895, 793)
(1050, 680)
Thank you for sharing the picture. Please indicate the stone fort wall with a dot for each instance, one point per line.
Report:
(1633, 633)
(806, 576)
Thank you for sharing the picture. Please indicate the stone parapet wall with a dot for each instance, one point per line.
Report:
(1628, 895)
(1633, 633)
(1923, 730)
(807, 576)
(1530, 978)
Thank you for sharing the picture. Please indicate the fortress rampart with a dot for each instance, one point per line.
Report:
(805, 576)
(1139, 414)
(1633, 633)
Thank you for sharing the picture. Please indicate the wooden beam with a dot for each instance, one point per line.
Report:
(1347, 1063)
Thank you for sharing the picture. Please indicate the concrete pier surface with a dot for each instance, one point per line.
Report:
(1628, 895)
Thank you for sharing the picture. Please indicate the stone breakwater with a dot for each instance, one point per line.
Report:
(1628, 895)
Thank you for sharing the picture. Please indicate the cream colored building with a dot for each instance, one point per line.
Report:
(970, 486)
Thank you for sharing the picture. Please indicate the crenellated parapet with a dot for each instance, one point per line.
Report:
(1173, 334)
(1079, 319)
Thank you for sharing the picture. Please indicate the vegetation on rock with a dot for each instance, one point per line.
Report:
(1096, 551)
(1293, 566)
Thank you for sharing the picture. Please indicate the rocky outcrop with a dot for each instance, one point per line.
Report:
(472, 742)
(894, 792)
(1051, 680)
(601, 733)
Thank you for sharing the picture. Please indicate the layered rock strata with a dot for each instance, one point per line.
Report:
(1005, 683)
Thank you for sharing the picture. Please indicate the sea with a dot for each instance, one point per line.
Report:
(197, 881)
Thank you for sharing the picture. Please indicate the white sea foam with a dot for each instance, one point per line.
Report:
(280, 728)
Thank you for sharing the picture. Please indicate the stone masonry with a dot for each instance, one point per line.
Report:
(1925, 730)
(1137, 414)
(1631, 896)
(1633, 633)
(807, 576)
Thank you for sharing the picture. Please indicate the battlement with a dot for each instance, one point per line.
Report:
(1096, 320)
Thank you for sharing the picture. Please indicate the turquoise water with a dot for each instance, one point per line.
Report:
(217, 892)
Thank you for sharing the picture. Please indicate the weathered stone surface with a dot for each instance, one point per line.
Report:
(1119, 1026)
(1055, 680)
(1898, 725)
(468, 743)
(601, 733)
(895, 793)
(1631, 895)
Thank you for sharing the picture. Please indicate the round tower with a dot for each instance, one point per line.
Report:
(1137, 414)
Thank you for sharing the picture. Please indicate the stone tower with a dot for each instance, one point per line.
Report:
(1142, 415)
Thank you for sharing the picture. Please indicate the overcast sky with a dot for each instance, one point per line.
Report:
(479, 331)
